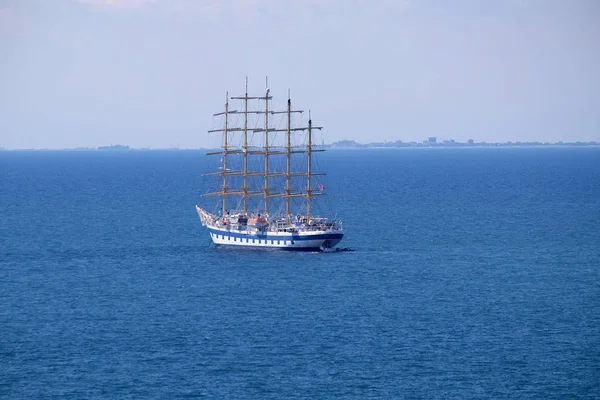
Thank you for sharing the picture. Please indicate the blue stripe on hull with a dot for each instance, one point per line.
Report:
(234, 234)
(273, 248)
(290, 242)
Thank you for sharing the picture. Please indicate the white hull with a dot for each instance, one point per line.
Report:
(301, 241)
(264, 239)
(281, 193)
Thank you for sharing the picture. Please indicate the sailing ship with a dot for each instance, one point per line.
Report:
(268, 181)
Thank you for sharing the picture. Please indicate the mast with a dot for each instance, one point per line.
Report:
(308, 171)
(287, 151)
(245, 184)
(266, 182)
(225, 154)
(288, 176)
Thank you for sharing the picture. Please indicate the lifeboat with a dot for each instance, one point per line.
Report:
(258, 222)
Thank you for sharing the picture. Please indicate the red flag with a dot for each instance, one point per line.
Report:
(321, 187)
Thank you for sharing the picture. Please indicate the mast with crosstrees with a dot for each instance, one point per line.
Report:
(225, 152)
(245, 191)
(309, 169)
(266, 182)
(265, 174)
(288, 170)
(288, 154)
(245, 150)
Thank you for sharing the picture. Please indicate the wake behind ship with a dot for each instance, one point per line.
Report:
(268, 183)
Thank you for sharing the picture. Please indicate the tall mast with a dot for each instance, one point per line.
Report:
(225, 154)
(308, 171)
(288, 176)
(245, 187)
(266, 184)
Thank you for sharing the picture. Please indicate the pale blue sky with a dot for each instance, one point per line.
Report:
(150, 73)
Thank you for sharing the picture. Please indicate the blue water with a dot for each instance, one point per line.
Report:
(476, 275)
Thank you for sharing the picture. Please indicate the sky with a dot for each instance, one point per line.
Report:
(150, 73)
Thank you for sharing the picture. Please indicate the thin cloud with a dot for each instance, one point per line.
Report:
(11, 23)
(117, 3)
(249, 11)
(6, 14)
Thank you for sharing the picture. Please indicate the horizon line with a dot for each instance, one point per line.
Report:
(351, 144)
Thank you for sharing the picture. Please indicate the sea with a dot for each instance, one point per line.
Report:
(475, 274)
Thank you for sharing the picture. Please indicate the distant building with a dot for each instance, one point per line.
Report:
(432, 140)
(470, 141)
(116, 147)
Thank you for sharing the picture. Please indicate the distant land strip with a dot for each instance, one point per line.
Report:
(433, 142)
(351, 144)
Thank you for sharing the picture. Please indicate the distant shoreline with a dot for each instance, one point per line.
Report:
(433, 143)
(344, 145)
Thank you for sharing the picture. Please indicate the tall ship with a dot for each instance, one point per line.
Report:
(267, 182)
